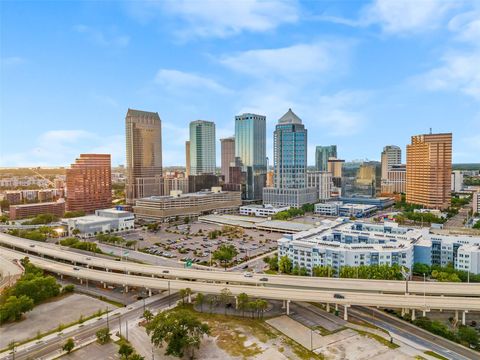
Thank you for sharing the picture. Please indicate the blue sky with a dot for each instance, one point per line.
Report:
(361, 74)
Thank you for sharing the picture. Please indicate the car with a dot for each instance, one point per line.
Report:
(263, 279)
(338, 296)
(76, 268)
(248, 275)
(88, 258)
(165, 271)
(32, 245)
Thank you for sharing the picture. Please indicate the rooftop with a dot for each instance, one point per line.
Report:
(290, 118)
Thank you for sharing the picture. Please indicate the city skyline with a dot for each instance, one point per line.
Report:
(331, 63)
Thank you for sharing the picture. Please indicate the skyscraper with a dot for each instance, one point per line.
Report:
(228, 156)
(429, 169)
(202, 147)
(89, 183)
(187, 158)
(391, 155)
(290, 164)
(144, 154)
(290, 152)
(251, 149)
(322, 154)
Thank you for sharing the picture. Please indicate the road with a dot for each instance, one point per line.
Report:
(457, 220)
(260, 289)
(43, 349)
(408, 331)
(300, 282)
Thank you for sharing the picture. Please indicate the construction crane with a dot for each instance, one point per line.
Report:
(43, 177)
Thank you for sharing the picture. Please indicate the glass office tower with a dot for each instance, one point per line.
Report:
(322, 154)
(251, 150)
(202, 147)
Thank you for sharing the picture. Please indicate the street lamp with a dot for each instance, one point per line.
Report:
(424, 297)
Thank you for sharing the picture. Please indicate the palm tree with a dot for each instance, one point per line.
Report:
(242, 302)
(262, 305)
(199, 300)
(182, 293)
(225, 296)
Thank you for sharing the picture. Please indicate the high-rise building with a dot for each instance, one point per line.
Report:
(391, 155)
(429, 169)
(290, 164)
(89, 183)
(228, 156)
(335, 166)
(322, 181)
(322, 154)
(202, 147)
(187, 158)
(457, 180)
(396, 180)
(144, 154)
(476, 203)
(251, 149)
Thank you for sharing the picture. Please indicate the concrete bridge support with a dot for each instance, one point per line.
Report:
(288, 307)
(345, 312)
(464, 313)
(328, 307)
(413, 314)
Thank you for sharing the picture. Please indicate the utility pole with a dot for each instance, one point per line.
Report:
(108, 324)
(169, 300)
(120, 325)
(126, 328)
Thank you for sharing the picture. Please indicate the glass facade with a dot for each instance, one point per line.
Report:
(322, 154)
(202, 147)
(251, 150)
(290, 154)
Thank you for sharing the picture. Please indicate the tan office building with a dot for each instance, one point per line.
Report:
(144, 154)
(89, 183)
(187, 205)
(429, 169)
(228, 156)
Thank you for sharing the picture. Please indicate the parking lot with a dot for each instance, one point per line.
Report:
(197, 241)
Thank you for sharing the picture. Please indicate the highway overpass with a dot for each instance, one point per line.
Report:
(263, 290)
(288, 281)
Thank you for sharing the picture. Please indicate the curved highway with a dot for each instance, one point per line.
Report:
(261, 290)
(376, 286)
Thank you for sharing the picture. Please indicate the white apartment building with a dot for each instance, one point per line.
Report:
(457, 180)
(341, 242)
(322, 181)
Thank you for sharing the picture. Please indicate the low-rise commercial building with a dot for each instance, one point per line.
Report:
(337, 208)
(28, 210)
(105, 220)
(261, 210)
(289, 197)
(341, 243)
(163, 208)
(379, 202)
(476, 202)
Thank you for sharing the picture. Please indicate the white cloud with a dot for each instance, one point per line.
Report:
(102, 38)
(179, 80)
(214, 18)
(294, 63)
(61, 147)
(467, 26)
(406, 16)
(458, 72)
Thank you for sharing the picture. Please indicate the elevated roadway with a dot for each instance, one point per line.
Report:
(292, 282)
(347, 298)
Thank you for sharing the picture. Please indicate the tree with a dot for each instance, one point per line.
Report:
(272, 262)
(285, 265)
(468, 336)
(180, 330)
(262, 305)
(14, 307)
(199, 301)
(242, 302)
(225, 254)
(185, 293)
(252, 306)
(125, 350)
(68, 346)
(147, 315)
(136, 356)
(212, 302)
(103, 336)
(225, 296)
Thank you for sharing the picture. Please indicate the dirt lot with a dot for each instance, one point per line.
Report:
(66, 310)
(192, 241)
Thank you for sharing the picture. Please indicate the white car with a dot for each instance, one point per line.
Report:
(248, 274)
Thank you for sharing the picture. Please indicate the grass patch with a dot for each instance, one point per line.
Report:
(418, 357)
(325, 332)
(59, 328)
(378, 338)
(271, 272)
(302, 352)
(435, 355)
